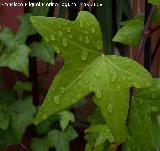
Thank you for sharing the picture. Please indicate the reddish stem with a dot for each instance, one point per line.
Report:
(144, 37)
(155, 51)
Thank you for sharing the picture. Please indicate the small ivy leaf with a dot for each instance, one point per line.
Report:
(26, 29)
(131, 31)
(22, 115)
(65, 118)
(88, 70)
(154, 2)
(143, 127)
(103, 132)
(15, 55)
(60, 140)
(7, 37)
(42, 51)
(39, 144)
(17, 59)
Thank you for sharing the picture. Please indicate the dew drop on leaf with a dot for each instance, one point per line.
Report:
(87, 41)
(97, 74)
(118, 87)
(98, 45)
(80, 38)
(114, 77)
(68, 29)
(110, 108)
(99, 94)
(53, 38)
(56, 100)
(62, 89)
(84, 55)
(46, 39)
(81, 24)
(154, 109)
(93, 30)
(91, 87)
(60, 33)
(64, 42)
(70, 36)
(44, 116)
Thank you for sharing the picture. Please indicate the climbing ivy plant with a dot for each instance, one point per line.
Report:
(88, 70)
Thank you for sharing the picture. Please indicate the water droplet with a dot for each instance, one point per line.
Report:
(64, 42)
(44, 116)
(56, 100)
(118, 87)
(70, 36)
(98, 94)
(46, 39)
(154, 109)
(97, 74)
(60, 33)
(110, 108)
(52, 22)
(87, 41)
(81, 24)
(99, 45)
(68, 29)
(91, 88)
(53, 38)
(123, 78)
(114, 77)
(84, 55)
(62, 89)
(93, 30)
(80, 38)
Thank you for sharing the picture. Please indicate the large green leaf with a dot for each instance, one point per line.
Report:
(86, 69)
(143, 127)
(15, 55)
(131, 31)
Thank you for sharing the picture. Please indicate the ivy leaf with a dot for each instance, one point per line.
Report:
(60, 140)
(15, 55)
(17, 59)
(6, 37)
(131, 31)
(103, 132)
(65, 118)
(39, 145)
(86, 69)
(26, 28)
(155, 2)
(22, 115)
(42, 51)
(143, 127)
